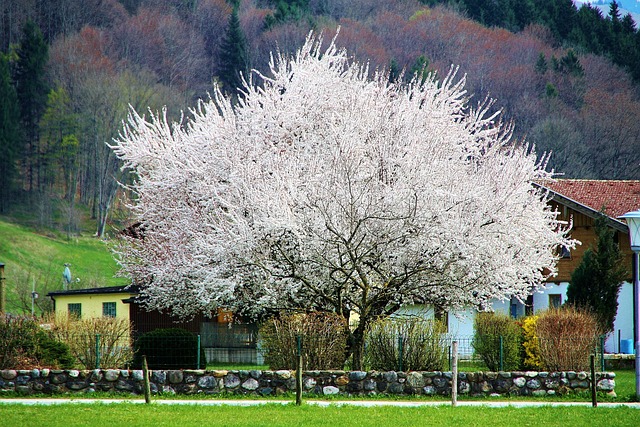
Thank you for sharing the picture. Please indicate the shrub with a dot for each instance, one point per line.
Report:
(23, 344)
(172, 348)
(567, 336)
(420, 344)
(111, 336)
(324, 340)
(53, 353)
(489, 328)
(531, 344)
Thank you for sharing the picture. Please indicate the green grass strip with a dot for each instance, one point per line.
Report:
(127, 414)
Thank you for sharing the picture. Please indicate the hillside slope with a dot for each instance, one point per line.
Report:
(33, 259)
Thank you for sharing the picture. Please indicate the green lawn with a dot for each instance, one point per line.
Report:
(128, 414)
(28, 255)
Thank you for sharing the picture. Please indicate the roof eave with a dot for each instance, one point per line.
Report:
(583, 209)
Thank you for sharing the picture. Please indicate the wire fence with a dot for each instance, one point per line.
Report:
(218, 347)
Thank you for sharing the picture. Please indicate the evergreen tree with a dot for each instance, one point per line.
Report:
(32, 90)
(9, 134)
(233, 55)
(614, 16)
(394, 70)
(541, 64)
(596, 282)
(570, 64)
(420, 68)
(287, 10)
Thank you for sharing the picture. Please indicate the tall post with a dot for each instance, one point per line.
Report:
(633, 223)
(33, 297)
(501, 364)
(97, 351)
(636, 317)
(602, 340)
(198, 354)
(145, 376)
(299, 371)
(594, 400)
(3, 293)
(400, 352)
(454, 374)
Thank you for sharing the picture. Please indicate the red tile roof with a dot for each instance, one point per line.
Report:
(618, 197)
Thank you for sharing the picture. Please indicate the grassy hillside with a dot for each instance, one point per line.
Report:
(31, 258)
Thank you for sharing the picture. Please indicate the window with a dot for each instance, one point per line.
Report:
(75, 309)
(109, 309)
(555, 300)
(564, 252)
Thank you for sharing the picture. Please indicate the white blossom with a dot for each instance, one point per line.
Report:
(326, 186)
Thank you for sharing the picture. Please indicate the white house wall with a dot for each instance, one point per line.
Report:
(461, 322)
(623, 324)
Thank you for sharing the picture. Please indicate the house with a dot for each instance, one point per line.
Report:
(93, 302)
(222, 340)
(579, 201)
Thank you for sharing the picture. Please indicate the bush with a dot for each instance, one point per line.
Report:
(567, 336)
(81, 335)
(420, 344)
(53, 353)
(324, 340)
(24, 344)
(531, 344)
(172, 348)
(489, 328)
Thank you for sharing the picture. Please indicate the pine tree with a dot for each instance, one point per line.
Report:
(233, 55)
(32, 90)
(9, 134)
(596, 282)
(541, 64)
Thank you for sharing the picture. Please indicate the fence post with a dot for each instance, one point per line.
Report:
(198, 355)
(602, 337)
(299, 371)
(454, 378)
(97, 351)
(594, 400)
(145, 375)
(400, 353)
(501, 354)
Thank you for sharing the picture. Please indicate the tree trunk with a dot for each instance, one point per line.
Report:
(357, 345)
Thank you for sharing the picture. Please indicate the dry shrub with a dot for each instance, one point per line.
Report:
(420, 344)
(324, 340)
(82, 336)
(567, 337)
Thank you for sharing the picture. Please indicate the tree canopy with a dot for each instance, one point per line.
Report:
(325, 188)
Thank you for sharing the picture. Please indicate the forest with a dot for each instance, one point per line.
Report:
(568, 78)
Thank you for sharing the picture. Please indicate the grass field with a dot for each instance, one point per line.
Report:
(128, 414)
(29, 257)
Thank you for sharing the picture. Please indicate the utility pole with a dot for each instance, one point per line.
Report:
(3, 292)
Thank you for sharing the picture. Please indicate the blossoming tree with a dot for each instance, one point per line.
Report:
(327, 187)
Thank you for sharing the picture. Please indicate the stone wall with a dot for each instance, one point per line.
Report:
(269, 383)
